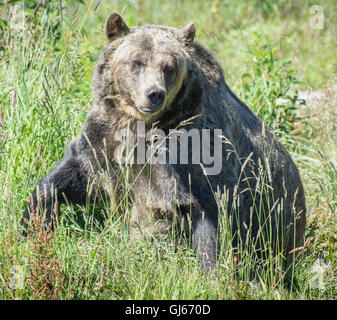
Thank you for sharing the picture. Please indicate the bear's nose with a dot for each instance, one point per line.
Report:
(156, 96)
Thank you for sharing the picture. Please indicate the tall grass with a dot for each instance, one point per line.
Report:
(47, 56)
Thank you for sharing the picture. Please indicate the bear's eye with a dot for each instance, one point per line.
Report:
(136, 65)
(169, 71)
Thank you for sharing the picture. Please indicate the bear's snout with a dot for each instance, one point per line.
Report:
(156, 97)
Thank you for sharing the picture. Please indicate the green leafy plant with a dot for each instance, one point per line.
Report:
(270, 86)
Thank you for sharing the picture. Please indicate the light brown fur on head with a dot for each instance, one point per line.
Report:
(138, 60)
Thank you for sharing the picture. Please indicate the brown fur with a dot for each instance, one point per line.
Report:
(189, 83)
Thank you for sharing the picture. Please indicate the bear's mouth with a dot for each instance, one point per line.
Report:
(149, 110)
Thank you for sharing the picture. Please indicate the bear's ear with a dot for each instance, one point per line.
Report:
(187, 34)
(115, 26)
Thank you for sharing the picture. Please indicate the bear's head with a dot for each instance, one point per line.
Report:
(143, 67)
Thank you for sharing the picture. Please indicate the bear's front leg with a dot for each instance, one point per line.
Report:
(66, 181)
(204, 239)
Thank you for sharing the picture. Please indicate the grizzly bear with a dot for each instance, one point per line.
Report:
(159, 77)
